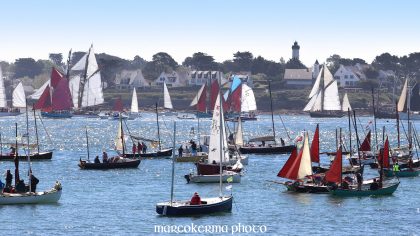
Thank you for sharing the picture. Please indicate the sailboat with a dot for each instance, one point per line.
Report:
(86, 85)
(55, 100)
(204, 107)
(29, 196)
(268, 144)
(167, 102)
(218, 152)
(324, 99)
(241, 100)
(186, 207)
(117, 162)
(18, 95)
(134, 111)
(409, 97)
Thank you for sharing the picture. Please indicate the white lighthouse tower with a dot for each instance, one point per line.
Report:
(295, 51)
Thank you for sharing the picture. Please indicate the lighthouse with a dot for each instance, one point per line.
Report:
(295, 51)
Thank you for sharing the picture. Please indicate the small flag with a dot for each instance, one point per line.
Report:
(229, 179)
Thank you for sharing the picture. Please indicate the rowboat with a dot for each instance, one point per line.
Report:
(49, 196)
(364, 192)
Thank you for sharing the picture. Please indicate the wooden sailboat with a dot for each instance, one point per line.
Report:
(117, 162)
(218, 153)
(324, 99)
(29, 196)
(18, 99)
(266, 144)
(134, 111)
(406, 100)
(186, 207)
(241, 100)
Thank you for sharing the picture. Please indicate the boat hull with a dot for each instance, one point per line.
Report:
(130, 163)
(326, 114)
(162, 153)
(208, 206)
(57, 115)
(305, 188)
(388, 190)
(402, 173)
(266, 149)
(9, 114)
(236, 178)
(33, 156)
(51, 196)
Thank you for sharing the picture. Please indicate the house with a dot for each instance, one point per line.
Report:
(172, 79)
(128, 79)
(298, 78)
(349, 76)
(198, 78)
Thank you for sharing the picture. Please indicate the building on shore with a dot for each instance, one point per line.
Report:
(300, 78)
(172, 79)
(198, 78)
(128, 79)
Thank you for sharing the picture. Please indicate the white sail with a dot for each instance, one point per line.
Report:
(328, 77)
(248, 102)
(215, 129)
(197, 97)
(74, 83)
(311, 103)
(315, 88)
(305, 167)
(80, 65)
(167, 103)
(346, 103)
(239, 139)
(19, 98)
(134, 103)
(331, 98)
(37, 94)
(92, 94)
(3, 102)
(118, 139)
(403, 97)
(317, 103)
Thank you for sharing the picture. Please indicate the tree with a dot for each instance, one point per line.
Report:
(200, 61)
(371, 73)
(386, 61)
(243, 60)
(162, 62)
(27, 67)
(295, 63)
(164, 59)
(56, 58)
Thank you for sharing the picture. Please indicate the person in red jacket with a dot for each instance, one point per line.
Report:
(134, 148)
(195, 200)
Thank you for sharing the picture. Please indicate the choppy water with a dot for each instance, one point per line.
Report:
(122, 202)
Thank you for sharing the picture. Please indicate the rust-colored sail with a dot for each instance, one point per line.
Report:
(334, 173)
(315, 146)
(44, 102)
(384, 157)
(291, 167)
(366, 143)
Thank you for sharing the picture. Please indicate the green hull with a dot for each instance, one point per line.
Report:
(402, 173)
(388, 190)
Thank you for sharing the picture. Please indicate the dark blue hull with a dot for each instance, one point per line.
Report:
(184, 210)
(57, 115)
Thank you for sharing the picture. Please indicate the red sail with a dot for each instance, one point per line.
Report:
(56, 77)
(291, 167)
(384, 157)
(44, 102)
(213, 93)
(201, 104)
(118, 105)
(315, 146)
(334, 173)
(366, 143)
(61, 98)
(234, 99)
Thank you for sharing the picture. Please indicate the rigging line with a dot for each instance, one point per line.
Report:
(406, 135)
(287, 132)
(129, 133)
(45, 129)
(416, 139)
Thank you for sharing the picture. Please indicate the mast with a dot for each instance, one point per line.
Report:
(1, 146)
(83, 80)
(398, 123)
(122, 136)
(349, 115)
(382, 152)
(16, 156)
(87, 142)
(272, 115)
(68, 66)
(374, 121)
(36, 132)
(221, 133)
(321, 86)
(28, 149)
(357, 138)
(173, 164)
(157, 122)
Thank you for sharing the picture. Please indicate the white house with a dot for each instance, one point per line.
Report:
(130, 79)
(349, 76)
(298, 77)
(200, 77)
(172, 79)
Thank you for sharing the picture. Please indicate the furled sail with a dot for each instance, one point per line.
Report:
(215, 142)
(19, 98)
(134, 102)
(167, 103)
(248, 102)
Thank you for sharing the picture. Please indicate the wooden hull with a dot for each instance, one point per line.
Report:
(34, 157)
(266, 149)
(129, 163)
(326, 114)
(306, 188)
(236, 178)
(51, 196)
(402, 173)
(162, 153)
(387, 190)
(190, 158)
(57, 115)
(208, 206)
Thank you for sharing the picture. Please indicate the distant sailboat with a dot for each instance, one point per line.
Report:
(134, 111)
(346, 104)
(324, 99)
(17, 99)
(406, 102)
(241, 100)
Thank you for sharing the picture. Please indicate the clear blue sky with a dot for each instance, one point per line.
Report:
(356, 28)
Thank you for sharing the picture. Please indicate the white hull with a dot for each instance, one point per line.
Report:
(236, 178)
(51, 196)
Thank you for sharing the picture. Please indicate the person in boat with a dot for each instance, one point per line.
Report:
(195, 200)
(144, 147)
(180, 150)
(134, 149)
(410, 164)
(9, 178)
(12, 151)
(263, 143)
(345, 185)
(34, 182)
(359, 178)
(230, 139)
(396, 167)
(282, 142)
(104, 157)
(194, 148)
(139, 147)
(20, 186)
(97, 160)
(374, 185)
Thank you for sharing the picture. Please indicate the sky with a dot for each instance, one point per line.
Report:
(267, 28)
